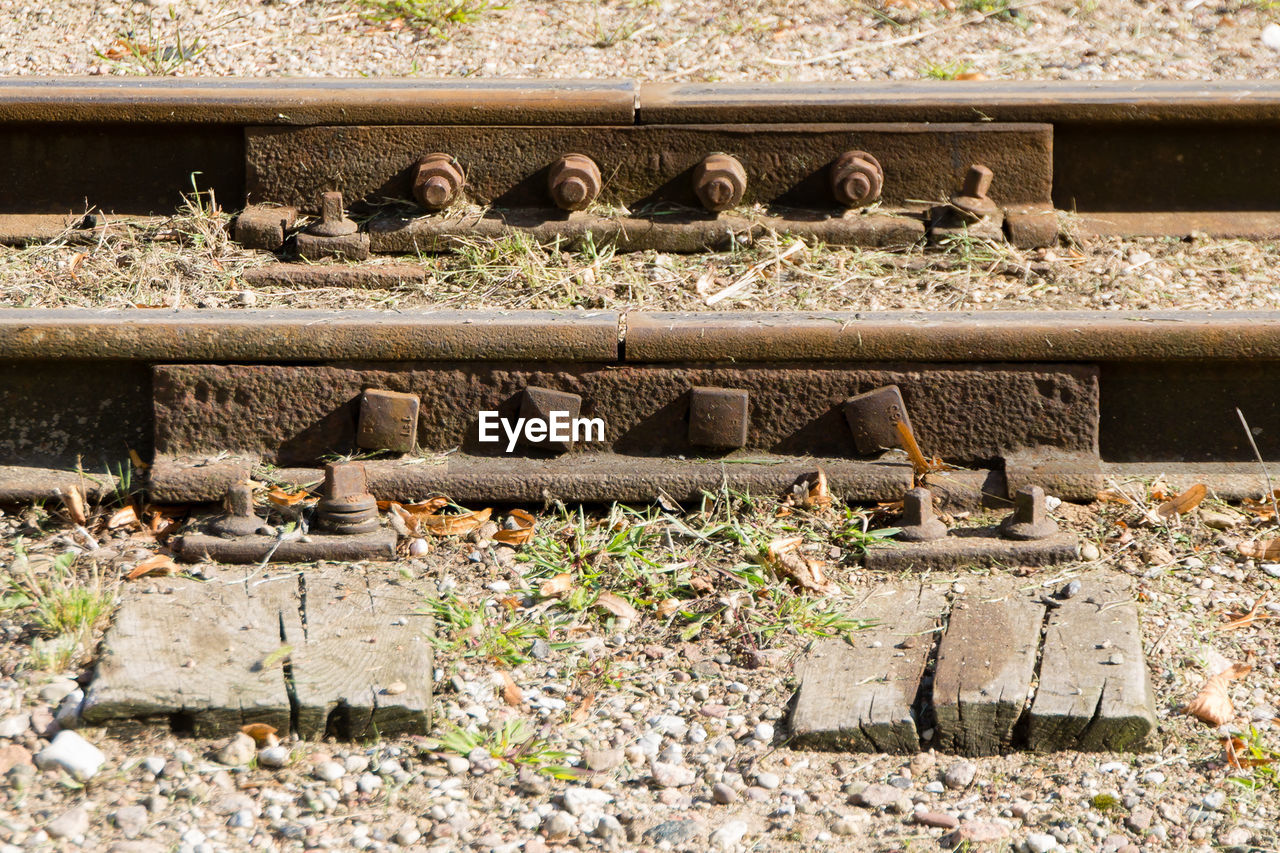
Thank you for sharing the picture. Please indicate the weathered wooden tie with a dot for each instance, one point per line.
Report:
(997, 685)
(1094, 692)
(362, 666)
(859, 695)
(986, 662)
(338, 652)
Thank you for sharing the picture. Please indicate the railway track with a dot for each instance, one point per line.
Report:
(674, 167)
(684, 402)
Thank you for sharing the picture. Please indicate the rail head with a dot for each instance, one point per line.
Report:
(313, 336)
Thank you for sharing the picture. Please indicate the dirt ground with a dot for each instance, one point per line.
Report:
(561, 713)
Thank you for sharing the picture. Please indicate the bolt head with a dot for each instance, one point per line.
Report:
(856, 179)
(436, 192)
(344, 480)
(719, 181)
(571, 192)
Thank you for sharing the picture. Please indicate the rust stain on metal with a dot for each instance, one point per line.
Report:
(437, 181)
(574, 182)
(785, 165)
(856, 179)
(962, 413)
(718, 417)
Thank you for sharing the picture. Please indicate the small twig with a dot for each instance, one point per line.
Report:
(1265, 473)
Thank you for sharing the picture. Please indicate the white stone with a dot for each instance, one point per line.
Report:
(153, 764)
(73, 754)
(273, 757)
(728, 835)
(1271, 36)
(56, 691)
(578, 799)
(15, 726)
(558, 826)
(768, 781)
(69, 824)
(764, 732)
(329, 771)
(241, 749)
(408, 835)
(671, 775)
(68, 714)
(1040, 842)
(368, 783)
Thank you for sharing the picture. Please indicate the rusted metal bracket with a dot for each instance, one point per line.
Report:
(679, 188)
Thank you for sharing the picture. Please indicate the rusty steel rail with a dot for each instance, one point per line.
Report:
(681, 167)
(686, 402)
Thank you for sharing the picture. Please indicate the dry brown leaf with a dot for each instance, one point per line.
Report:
(668, 606)
(522, 534)
(160, 564)
(136, 460)
(809, 491)
(1183, 503)
(260, 732)
(556, 586)
(126, 517)
(455, 525)
(73, 500)
(702, 583)
(280, 497)
(784, 555)
(971, 75)
(74, 267)
(618, 606)
(1248, 617)
(1238, 754)
(511, 692)
(1213, 704)
(584, 708)
(1261, 549)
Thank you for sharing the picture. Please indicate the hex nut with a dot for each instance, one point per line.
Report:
(856, 179)
(438, 181)
(719, 181)
(388, 421)
(574, 182)
(718, 417)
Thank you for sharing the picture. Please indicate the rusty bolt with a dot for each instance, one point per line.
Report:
(333, 221)
(1030, 518)
(347, 507)
(437, 182)
(918, 521)
(856, 179)
(719, 182)
(574, 182)
(972, 200)
(240, 518)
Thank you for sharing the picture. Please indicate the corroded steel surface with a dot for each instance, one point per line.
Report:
(787, 165)
(241, 101)
(916, 100)
(141, 335)
(965, 413)
(1103, 336)
(671, 233)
